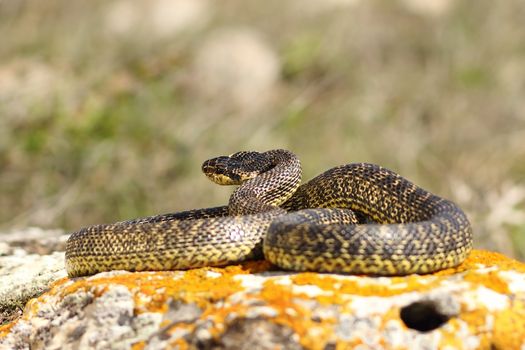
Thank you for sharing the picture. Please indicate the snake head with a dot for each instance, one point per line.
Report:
(236, 168)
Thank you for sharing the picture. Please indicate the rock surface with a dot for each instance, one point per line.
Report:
(30, 260)
(479, 305)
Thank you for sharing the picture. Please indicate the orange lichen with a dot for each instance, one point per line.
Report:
(281, 299)
(509, 326)
(294, 316)
(138, 345)
(348, 345)
(487, 259)
(5, 329)
(179, 344)
(476, 321)
(288, 298)
(255, 266)
(400, 285)
(491, 280)
(396, 285)
(449, 339)
(151, 290)
(156, 287)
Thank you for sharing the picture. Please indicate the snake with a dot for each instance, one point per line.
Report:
(357, 218)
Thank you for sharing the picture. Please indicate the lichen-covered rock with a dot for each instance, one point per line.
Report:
(478, 305)
(32, 240)
(29, 262)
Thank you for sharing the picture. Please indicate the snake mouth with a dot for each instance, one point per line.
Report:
(222, 179)
(216, 170)
(232, 170)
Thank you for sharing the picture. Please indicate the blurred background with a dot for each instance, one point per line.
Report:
(109, 108)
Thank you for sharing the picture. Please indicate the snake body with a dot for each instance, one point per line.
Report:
(355, 218)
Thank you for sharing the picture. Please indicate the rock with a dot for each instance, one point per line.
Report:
(29, 262)
(33, 240)
(478, 305)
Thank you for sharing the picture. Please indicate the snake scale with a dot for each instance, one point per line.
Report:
(356, 218)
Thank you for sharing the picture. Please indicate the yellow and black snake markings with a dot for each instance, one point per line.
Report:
(355, 218)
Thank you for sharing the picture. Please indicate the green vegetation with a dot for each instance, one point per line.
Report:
(103, 121)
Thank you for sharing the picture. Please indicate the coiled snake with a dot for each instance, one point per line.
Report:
(379, 223)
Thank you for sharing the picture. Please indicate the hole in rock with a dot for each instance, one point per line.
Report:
(423, 316)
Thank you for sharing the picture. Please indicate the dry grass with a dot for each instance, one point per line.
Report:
(101, 122)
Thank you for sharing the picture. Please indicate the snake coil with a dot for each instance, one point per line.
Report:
(355, 218)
